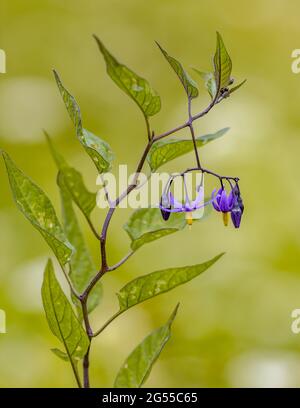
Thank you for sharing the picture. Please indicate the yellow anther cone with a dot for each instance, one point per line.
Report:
(225, 218)
(189, 219)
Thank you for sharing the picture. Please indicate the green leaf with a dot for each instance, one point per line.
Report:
(166, 150)
(210, 82)
(82, 197)
(38, 209)
(146, 225)
(222, 65)
(188, 83)
(235, 88)
(134, 86)
(138, 365)
(98, 150)
(60, 354)
(61, 318)
(81, 263)
(156, 283)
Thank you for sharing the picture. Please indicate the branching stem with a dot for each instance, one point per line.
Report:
(113, 205)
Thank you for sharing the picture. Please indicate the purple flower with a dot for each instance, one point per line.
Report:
(223, 202)
(169, 204)
(226, 203)
(188, 205)
(238, 207)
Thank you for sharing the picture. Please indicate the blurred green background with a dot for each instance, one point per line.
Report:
(233, 327)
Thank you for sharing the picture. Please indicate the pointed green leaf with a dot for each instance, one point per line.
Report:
(138, 365)
(210, 82)
(38, 209)
(82, 266)
(134, 86)
(82, 197)
(98, 150)
(222, 65)
(61, 318)
(156, 283)
(60, 354)
(188, 83)
(166, 150)
(235, 88)
(146, 225)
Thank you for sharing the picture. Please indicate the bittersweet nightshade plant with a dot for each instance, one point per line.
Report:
(69, 316)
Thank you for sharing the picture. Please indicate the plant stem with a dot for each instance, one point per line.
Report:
(148, 127)
(86, 365)
(88, 328)
(67, 277)
(193, 132)
(93, 229)
(89, 332)
(107, 323)
(103, 236)
(121, 262)
(75, 371)
(236, 179)
(170, 132)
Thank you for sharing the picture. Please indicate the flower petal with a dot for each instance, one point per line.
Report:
(230, 200)
(214, 201)
(236, 216)
(199, 198)
(223, 204)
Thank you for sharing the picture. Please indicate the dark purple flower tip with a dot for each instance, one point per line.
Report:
(223, 202)
(236, 216)
(165, 214)
(165, 207)
(238, 207)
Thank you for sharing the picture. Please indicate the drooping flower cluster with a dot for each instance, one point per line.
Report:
(229, 203)
(221, 201)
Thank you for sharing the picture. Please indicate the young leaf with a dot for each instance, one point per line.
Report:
(146, 225)
(222, 65)
(156, 283)
(235, 88)
(37, 208)
(82, 197)
(210, 82)
(81, 264)
(134, 86)
(188, 83)
(138, 365)
(166, 150)
(61, 318)
(98, 150)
